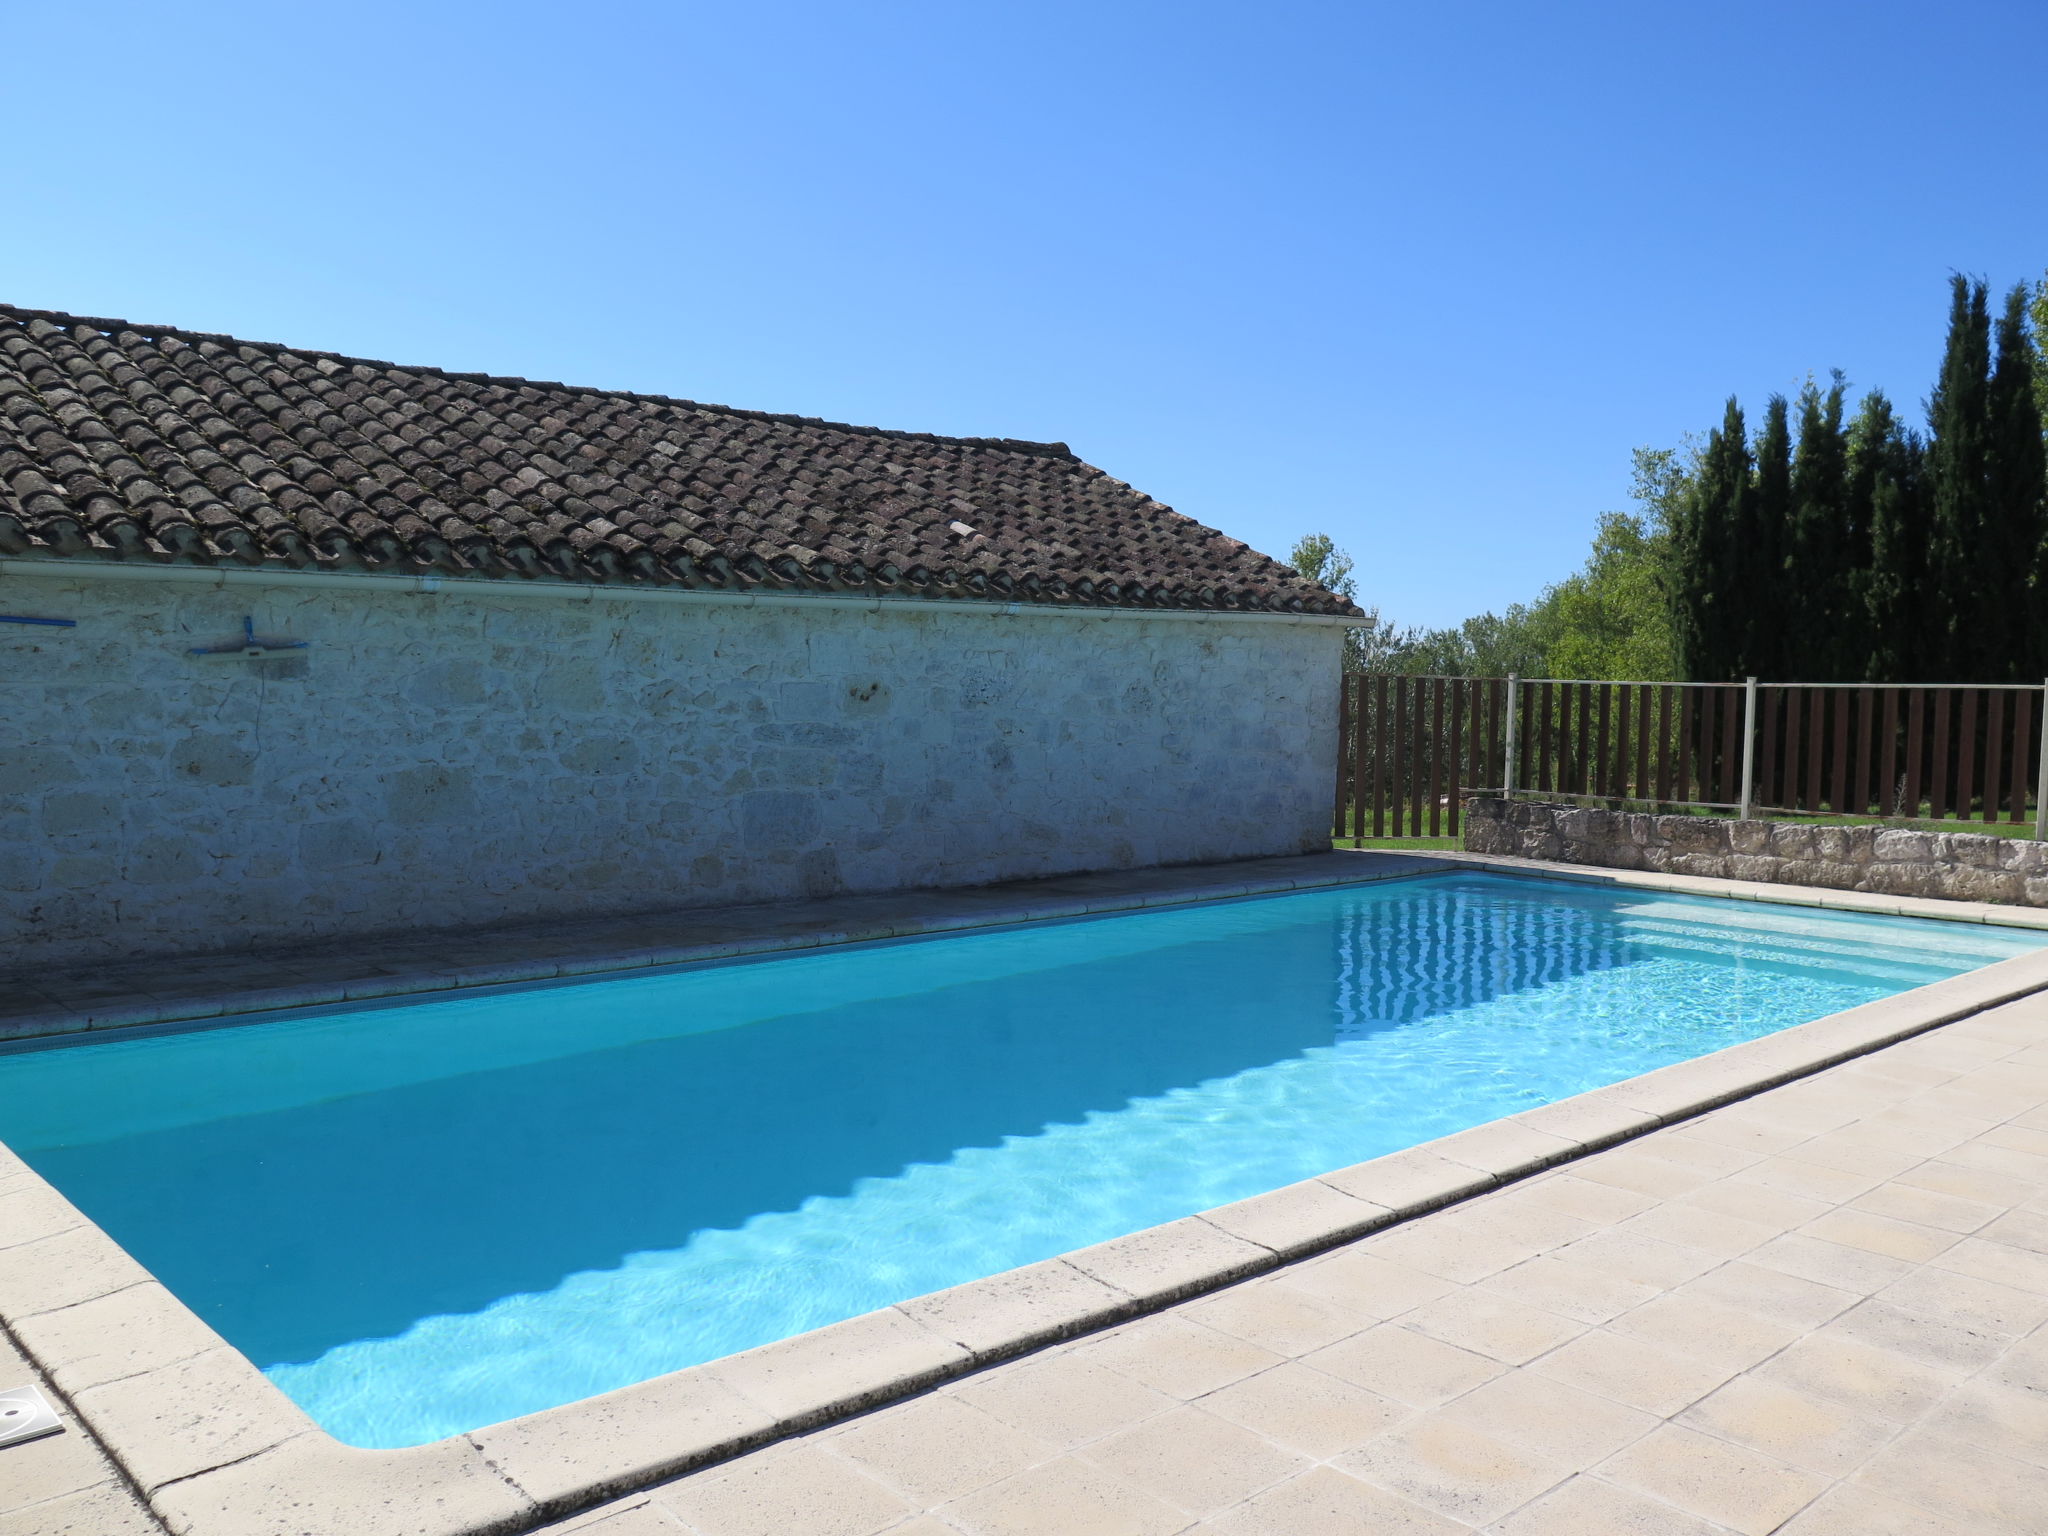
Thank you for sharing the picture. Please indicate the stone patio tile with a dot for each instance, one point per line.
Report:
(1937, 1341)
(2030, 1167)
(1601, 1204)
(1459, 1472)
(1775, 1209)
(1635, 1167)
(1812, 1180)
(1326, 1502)
(1717, 1158)
(1834, 1264)
(1831, 1439)
(53, 1466)
(1968, 1301)
(1854, 1228)
(2017, 1267)
(1174, 1354)
(1643, 1260)
(1531, 1223)
(1569, 1289)
(1364, 1282)
(1278, 1316)
(138, 1328)
(1499, 1327)
(1731, 1485)
(1771, 1293)
(2025, 1365)
(624, 1438)
(789, 1490)
(1167, 1262)
(632, 1516)
(1409, 1367)
(1411, 1181)
(1195, 1461)
(1299, 1218)
(1549, 1419)
(1926, 1208)
(362, 1493)
(994, 1317)
(2009, 1421)
(1969, 1183)
(30, 1210)
(1852, 1509)
(2019, 1229)
(843, 1365)
(1632, 1371)
(1586, 1506)
(937, 1448)
(1746, 1128)
(1061, 1399)
(1068, 1495)
(1451, 1247)
(190, 1416)
(1859, 1376)
(1979, 1492)
(1506, 1147)
(1734, 1337)
(1306, 1410)
(1698, 1226)
(107, 1509)
(1856, 1151)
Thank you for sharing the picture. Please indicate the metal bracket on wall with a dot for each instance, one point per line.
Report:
(251, 643)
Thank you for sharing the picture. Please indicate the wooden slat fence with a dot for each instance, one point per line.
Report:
(1411, 749)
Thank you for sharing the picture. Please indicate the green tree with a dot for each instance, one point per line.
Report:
(1317, 557)
(1958, 461)
(1886, 496)
(1819, 616)
(1710, 569)
(2016, 506)
(1762, 644)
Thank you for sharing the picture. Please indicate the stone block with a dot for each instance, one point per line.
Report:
(1973, 850)
(1696, 834)
(1789, 840)
(1749, 837)
(1893, 845)
(1968, 883)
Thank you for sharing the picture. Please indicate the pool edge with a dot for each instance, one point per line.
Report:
(217, 1450)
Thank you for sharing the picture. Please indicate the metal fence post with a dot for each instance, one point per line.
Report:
(1748, 747)
(2041, 781)
(1507, 770)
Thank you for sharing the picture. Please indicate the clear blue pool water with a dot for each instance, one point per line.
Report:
(422, 1219)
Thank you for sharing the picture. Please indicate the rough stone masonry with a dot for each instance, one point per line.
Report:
(438, 761)
(1888, 860)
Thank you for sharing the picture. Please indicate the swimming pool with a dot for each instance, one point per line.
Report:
(424, 1218)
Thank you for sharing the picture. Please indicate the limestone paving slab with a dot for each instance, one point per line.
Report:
(1404, 1321)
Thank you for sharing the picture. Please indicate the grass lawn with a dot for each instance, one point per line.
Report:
(1411, 844)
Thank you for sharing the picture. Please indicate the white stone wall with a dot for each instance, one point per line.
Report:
(453, 759)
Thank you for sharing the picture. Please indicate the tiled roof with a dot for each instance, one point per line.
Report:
(144, 443)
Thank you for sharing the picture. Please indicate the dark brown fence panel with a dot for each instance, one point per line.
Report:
(1411, 750)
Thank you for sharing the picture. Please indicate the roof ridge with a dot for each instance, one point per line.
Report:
(513, 381)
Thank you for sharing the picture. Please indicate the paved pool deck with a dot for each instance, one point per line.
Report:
(1801, 1285)
(1821, 1311)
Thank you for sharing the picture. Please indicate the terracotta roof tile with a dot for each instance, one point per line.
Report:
(148, 443)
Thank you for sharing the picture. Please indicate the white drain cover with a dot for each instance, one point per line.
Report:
(25, 1414)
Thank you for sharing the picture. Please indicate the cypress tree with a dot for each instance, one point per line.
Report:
(1887, 503)
(2016, 508)
(1770, 591)
(1815, 619)
(1707, 596)
(1958, 456)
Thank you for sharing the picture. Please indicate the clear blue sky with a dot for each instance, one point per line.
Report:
(1419, 276)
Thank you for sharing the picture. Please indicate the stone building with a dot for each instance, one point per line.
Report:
(305, 646)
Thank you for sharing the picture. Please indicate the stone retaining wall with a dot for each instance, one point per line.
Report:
(1890, 861)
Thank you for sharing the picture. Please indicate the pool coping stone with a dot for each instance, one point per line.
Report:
(217, 1450)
